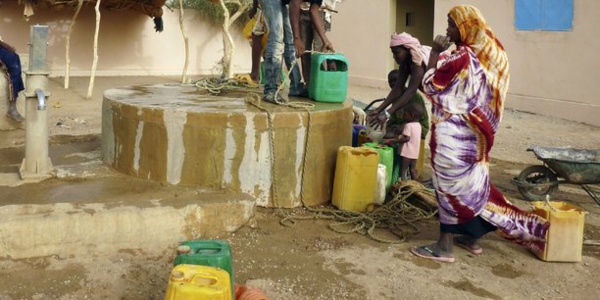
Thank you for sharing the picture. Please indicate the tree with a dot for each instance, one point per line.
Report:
(224, 12)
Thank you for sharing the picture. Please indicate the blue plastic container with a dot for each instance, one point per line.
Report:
(328, 77)
(356, 129)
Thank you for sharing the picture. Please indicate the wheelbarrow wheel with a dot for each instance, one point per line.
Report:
(537, 182)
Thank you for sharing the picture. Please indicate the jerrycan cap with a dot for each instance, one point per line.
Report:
(177, 275)
(184, 249)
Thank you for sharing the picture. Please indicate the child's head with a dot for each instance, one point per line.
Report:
(413, 112)
(392, 77)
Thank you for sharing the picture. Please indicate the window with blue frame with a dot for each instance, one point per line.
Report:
(547, 15)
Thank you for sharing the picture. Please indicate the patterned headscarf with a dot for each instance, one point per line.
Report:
(477, 35)
(412, 44)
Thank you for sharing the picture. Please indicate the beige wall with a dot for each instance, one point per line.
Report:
(552, 73)
(128, 44)
(362, 32)
(422, 11)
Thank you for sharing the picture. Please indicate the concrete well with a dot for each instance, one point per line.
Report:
(180, 136)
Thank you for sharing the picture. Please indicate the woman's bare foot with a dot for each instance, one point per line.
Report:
(468, 243)
(14, 114)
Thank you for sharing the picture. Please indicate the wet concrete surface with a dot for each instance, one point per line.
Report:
(102, 185)
(192, 99)
(62, 215)
(180, 135)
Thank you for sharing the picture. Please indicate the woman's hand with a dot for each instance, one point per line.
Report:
(441, 43)
(377, 120)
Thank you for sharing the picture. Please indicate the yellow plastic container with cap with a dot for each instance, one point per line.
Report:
(564, 239)
(198, 282)
(355, 178)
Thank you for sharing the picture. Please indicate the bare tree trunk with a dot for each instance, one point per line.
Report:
(228, 44)
(68, 44)
(186, 43)
(95, 62)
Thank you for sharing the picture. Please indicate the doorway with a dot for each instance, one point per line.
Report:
(416, 17)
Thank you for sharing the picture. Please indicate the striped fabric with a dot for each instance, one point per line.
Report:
(478, 36)
(467, 90)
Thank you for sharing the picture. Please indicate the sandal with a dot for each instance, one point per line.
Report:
(433, 254)
(477, 250)
(245, 79)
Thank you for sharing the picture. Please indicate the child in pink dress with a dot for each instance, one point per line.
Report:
(410, 140)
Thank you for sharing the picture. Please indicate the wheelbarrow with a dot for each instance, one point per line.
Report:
(560, 165)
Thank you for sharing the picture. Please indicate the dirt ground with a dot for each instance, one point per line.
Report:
(309, 260)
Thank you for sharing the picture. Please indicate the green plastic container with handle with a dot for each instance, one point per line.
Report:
(328, 77)
(386, 158)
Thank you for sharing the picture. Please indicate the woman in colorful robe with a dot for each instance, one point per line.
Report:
(468, 87)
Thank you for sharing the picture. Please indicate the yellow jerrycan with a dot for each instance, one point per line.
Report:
(355, 178)
(198, 282)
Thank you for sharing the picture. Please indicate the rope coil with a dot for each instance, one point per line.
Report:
(397, 215)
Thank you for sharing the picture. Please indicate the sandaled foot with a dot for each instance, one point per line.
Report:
(432, 252)
(15, 116)
(246, 79)
(468, 244)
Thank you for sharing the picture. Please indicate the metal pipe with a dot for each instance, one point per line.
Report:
(41, 99)
(36, 164)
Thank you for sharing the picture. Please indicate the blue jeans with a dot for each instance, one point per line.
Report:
(280, 42)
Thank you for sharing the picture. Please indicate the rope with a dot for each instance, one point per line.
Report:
(255, 100)
(398, 215)
(216, 85)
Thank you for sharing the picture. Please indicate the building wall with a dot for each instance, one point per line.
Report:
(552, 73)
(422, 12)
(128, 44)
(361, 31)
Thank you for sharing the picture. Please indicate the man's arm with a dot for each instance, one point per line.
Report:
(315, 16)
(295, 22)
(294, 11)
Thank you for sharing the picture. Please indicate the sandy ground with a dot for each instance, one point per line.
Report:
(310, 261)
